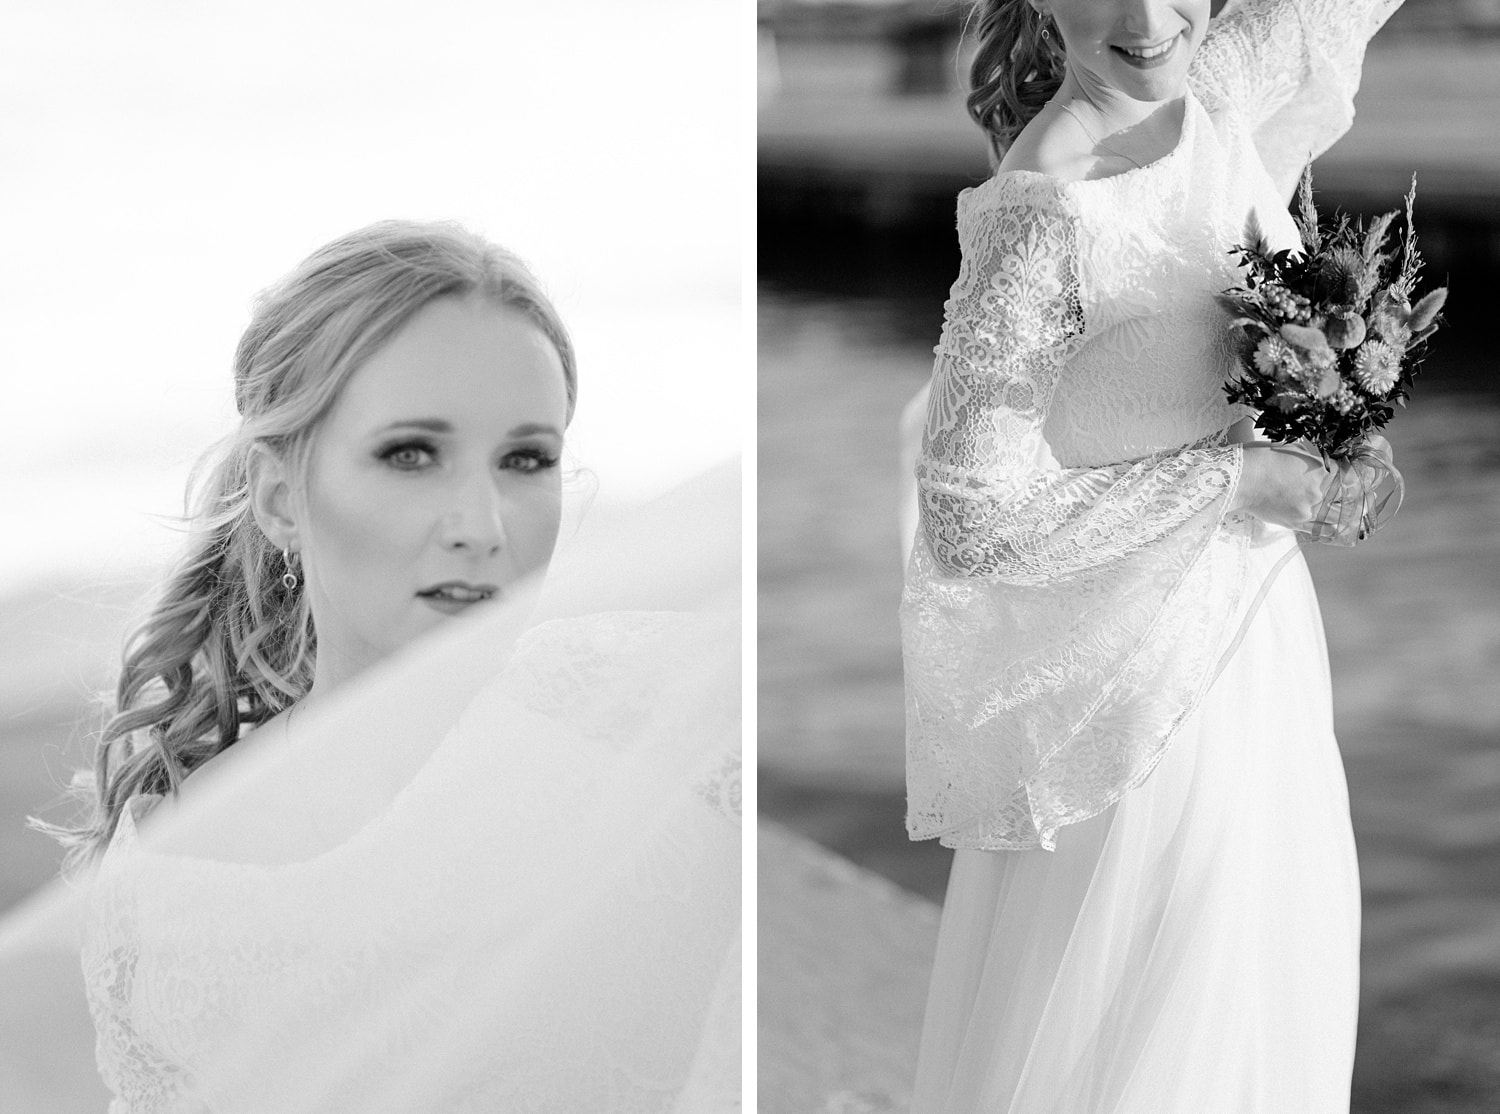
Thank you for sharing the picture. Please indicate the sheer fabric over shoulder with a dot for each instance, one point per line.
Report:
(451, 954)
(1154, 906)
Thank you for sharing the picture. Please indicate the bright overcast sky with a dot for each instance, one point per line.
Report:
(165, 161)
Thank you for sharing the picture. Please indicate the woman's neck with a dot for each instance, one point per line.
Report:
(332, 670)
(1123, 132)
(1113, 112)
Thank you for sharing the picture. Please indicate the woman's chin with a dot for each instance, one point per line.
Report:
(1162, 78)
(1155, 88)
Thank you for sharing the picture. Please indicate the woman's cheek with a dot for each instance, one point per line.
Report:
(376, 515)
(545, 518)
(366, 532)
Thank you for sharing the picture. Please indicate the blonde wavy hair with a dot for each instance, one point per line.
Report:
(1015, 69)
(225, 646)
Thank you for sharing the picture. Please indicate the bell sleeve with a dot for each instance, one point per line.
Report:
(1057, 622)
(1291, 69)
(993, 503)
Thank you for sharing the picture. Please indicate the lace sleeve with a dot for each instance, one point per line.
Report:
(1057, 623)
(1291, 68)
(993, 502)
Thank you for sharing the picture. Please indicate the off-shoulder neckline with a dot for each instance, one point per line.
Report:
(1191, 106)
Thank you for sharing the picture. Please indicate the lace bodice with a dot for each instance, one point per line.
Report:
(1067, 596)
(542, 920)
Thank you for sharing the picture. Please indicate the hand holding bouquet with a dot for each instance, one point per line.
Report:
(1328, 336)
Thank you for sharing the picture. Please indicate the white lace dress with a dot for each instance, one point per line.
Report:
(544, 918)
(1154, 907)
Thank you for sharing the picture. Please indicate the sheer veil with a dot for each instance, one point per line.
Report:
(500, 872)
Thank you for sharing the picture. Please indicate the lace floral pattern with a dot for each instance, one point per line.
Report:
(1291, 69)
(1069, 591)
(561, 867)
(139, 1073)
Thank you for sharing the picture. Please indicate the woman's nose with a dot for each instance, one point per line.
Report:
(1144, 17)
(476, 520)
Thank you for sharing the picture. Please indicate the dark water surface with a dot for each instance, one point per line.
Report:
(1413, 618)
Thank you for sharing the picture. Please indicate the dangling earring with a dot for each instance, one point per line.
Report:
(1041, 18)
(288, 578)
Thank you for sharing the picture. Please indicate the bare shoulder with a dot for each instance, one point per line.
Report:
(1053, 144)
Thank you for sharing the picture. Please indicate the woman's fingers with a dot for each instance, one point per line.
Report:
(1294, 485)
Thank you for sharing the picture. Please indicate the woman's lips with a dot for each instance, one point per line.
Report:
(447, 606)
(1148, 57)
(453, 597)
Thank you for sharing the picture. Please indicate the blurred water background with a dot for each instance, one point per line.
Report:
(166, 160)
(863, 145)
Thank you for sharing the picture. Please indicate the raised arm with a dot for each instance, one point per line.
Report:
(1291, 67)
(993, 501)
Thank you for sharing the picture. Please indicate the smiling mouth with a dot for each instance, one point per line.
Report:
(1147, 57)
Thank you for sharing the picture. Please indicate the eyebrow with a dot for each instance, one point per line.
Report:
(440, 425)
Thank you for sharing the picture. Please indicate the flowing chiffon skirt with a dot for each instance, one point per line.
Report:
(1193, 949)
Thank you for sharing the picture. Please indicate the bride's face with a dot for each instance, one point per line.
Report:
(434, 482)
(1138, 48)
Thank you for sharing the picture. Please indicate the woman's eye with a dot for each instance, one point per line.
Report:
(407, 456)
(528, 460)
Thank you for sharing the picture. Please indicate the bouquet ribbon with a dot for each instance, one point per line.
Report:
(1364, 491)
(1364, 494)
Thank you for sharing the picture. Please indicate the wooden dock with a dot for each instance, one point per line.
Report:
(844, 957)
